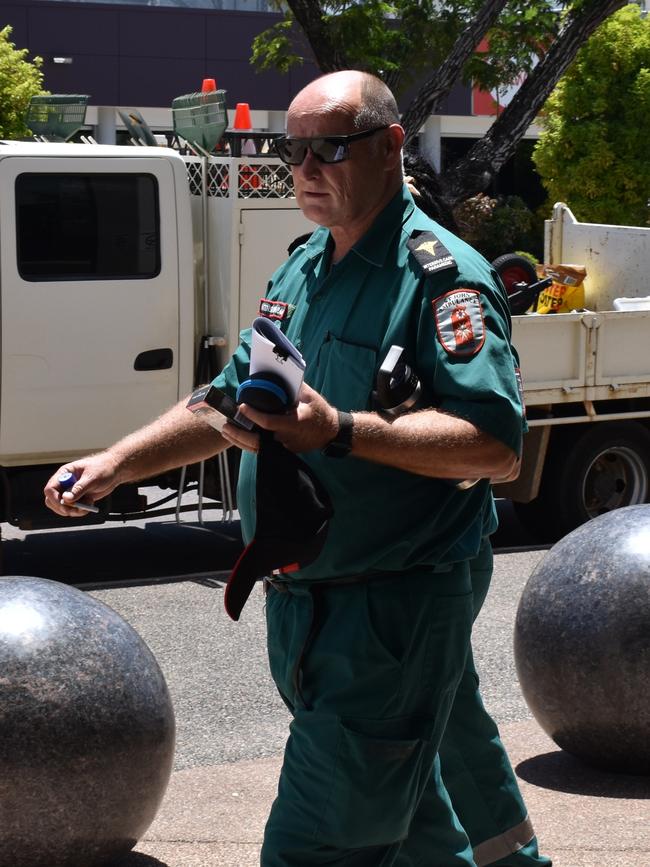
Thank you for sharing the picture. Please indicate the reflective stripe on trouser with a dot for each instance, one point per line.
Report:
(511, 842)
(369, 672)
(476, 769)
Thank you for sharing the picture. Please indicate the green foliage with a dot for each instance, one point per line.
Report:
(526, 255)
(593, 153)
(403, 39)
(19, 81)
(497, 226)
(516, 41)
(361, 30)
(273, 48)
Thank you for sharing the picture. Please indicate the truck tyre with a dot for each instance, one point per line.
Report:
(605, 467)
(513, 268)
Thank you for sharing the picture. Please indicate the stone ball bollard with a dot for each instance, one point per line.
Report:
(86, 728)
(582, 641)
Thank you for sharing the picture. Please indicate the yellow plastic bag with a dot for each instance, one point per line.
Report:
(566, 292)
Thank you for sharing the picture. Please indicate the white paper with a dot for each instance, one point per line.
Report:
(272, 352)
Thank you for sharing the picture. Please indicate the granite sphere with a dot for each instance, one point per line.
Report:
(582, 641)
(86, 728)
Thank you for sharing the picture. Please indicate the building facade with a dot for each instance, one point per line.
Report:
(143, 53)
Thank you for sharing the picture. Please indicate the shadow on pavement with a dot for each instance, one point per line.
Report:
(152, 550)
(562, 772)
(511, 535)
(137, 859)
(111, 552)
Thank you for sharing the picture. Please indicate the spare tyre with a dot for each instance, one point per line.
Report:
(513, 268)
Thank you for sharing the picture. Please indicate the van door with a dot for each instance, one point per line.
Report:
(266, 234)
(90, 302)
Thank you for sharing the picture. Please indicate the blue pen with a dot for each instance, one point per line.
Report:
(66, 481)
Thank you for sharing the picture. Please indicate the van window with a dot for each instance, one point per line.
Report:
(87, 226)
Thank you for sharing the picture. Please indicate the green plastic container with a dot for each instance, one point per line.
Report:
(57, 116)
(201, 118)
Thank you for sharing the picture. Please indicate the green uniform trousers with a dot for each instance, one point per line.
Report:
(476, 770)
(369, 672)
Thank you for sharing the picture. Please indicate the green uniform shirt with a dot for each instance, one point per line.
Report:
(344, 320)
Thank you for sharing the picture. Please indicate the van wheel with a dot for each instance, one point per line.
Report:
(604, 468)
(513, 268)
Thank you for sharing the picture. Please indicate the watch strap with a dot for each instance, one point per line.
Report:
(341, 444)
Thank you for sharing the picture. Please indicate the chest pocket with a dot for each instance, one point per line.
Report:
(344, 374)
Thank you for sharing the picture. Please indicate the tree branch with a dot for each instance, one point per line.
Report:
(435, 89)
(473, 173)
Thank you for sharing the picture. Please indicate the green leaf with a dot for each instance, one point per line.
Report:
(20, 79)
(414, 37)
(593, 151)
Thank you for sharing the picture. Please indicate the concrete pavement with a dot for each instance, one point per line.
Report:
(228, 713)
(214, 816)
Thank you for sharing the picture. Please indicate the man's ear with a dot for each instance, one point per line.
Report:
(393, 143)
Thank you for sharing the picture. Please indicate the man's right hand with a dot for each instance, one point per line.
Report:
(96, 476)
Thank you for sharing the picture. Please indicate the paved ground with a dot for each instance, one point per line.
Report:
(232, 727)
(214, 816)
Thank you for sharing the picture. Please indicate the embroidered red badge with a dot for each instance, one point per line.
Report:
(459, 321)
(274, 309)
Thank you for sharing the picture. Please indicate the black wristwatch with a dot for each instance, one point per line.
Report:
(341, 445)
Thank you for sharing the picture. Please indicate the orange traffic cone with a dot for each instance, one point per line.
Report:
(249, 178)
(209, 85)
(243, 116)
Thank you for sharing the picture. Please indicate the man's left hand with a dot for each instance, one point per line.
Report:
(309, 425)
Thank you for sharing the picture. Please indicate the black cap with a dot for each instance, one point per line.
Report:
(293, 510)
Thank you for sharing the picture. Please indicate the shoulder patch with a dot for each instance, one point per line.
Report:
(430, 252)
(459, 321)
(278, 310)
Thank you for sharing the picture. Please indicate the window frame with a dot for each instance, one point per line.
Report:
(94, 277)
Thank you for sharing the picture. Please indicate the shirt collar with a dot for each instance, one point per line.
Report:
(373, 246)
(317, 244)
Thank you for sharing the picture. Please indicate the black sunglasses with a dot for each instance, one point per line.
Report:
(327, 149)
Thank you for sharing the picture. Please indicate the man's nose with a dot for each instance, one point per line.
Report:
(311, 165)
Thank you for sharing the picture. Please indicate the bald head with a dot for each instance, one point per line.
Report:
(364, 98)
(346, 194)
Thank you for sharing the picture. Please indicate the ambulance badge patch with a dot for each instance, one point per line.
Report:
(278, 310)
(431, 253)
(459, 321)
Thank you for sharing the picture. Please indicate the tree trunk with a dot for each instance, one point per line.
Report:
(430, 96)
(474, 172)
(393, 80)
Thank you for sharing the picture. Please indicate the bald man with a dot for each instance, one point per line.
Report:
(368, 644)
